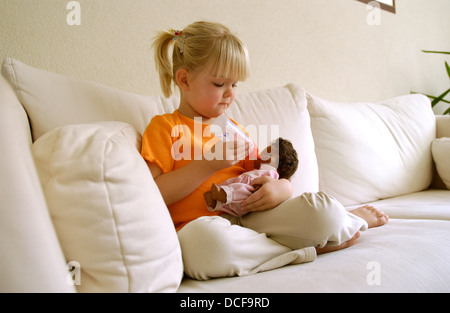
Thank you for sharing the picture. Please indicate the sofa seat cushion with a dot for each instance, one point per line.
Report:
(405, 255)
(429, 204)
(107, 211)
(372, 151)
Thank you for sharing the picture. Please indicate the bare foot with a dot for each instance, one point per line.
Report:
(344, 245)
(371, 215)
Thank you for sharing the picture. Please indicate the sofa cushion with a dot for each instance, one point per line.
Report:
(371, 151)
(281, 112)
(52, 100)
(107, 211)
(407, 255)
(441, 156)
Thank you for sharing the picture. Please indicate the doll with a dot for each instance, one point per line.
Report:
(279, 160)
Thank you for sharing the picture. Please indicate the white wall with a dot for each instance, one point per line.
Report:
(327, 46)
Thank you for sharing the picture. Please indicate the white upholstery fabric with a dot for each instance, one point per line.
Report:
(433, 204)
(107, 210)
(404, 256)
(409, 254)
(283, 109)
(371, 151)
(31, 258)
(52, 100)
(441, 155)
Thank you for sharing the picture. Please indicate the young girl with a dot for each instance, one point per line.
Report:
(206, 63)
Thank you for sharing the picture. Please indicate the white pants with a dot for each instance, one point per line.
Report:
(214, 246)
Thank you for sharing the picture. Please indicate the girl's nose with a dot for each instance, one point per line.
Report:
(228, 93)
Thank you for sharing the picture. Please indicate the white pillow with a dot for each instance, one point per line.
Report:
(107, 211)
(52, 100)
(370, 151)
(283, 109)
(441, 155)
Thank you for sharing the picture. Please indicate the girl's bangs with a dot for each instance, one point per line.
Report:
(229, 60)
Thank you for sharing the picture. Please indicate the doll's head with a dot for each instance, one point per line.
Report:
(281, 155)
(201, 46)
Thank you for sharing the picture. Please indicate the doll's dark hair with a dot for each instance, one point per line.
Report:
(288, 159)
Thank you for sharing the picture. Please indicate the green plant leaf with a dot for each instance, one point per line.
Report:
(448, 69)
(438, 99)
(441, 52)
(429, 96)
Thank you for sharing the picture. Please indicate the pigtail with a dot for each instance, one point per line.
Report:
(163, 59)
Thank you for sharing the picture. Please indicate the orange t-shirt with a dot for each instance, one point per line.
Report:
(173, 140)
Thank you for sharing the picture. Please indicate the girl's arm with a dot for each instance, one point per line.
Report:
(272, 193)
(178, 184)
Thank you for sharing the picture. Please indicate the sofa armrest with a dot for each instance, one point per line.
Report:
(442, 130)
(442, 126)
(32, 260)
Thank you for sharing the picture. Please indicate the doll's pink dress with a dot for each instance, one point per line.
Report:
(240, 188)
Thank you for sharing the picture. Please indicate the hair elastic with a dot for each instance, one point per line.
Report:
(177, 34)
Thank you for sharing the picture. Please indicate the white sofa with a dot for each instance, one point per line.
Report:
(80, 211)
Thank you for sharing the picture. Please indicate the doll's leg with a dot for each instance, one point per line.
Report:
(212, 247)
(312, 219)
(233, 193)
(218, 193)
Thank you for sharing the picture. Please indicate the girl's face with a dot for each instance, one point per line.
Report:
(210, 96)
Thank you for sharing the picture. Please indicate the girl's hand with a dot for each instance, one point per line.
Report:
(272, 193)
(225, 154)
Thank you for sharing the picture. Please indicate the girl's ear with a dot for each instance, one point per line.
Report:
(182, 76)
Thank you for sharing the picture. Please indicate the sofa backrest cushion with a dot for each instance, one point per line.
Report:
(52, 100)
(370, 151)
(281, 112)
(107, 211)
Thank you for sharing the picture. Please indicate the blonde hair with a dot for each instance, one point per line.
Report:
(201, 46)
